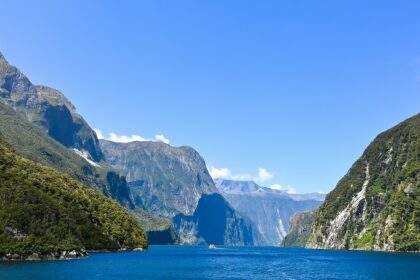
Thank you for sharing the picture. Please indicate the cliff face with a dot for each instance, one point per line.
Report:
(48, 108)
(300, 226)
(376, 205)
(164, 180)
(268, 209)
(215, 222)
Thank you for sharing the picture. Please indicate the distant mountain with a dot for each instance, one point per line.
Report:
(44, 214)
(270, 210)
(48, 108)
(376, 205)
(175, 183)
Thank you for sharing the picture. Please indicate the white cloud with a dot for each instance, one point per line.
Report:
(161, 138)
(264, 175)
(98, 133)
(220, 173)
(125, 139)
(279, 187)
(276, 187)
(225, 173)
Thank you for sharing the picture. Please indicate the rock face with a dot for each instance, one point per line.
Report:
(175, 183)
(48, 108)
(376, 205)
(42, 125)
(32, 142)
(215, 222)
(164, 180)
(268, 209)
(300, 226)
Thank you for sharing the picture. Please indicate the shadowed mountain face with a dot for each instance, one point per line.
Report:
(268, 209)
(215, 222)
(41, 124)
(376, 205)
(164, 180)
(174, 183)
(48, 108)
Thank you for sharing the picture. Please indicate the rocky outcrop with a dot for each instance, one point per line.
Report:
(37, 256)
(268, 209)
(376, 205)
(48, 108)
(164, 180)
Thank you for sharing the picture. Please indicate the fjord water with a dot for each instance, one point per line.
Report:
(179, 262)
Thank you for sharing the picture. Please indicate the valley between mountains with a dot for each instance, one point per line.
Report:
(64, 190)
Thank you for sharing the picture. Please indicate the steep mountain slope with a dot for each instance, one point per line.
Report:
(164, 180)
(30, 141)
(215, 222)
(42, 125)
(175, 183)
(300, 226)
(376, 205)
(48, 108)
(268, 209)
(44, 212)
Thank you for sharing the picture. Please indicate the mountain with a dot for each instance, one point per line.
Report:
(48, 108)
(270, 210)
(376, 205)
(174, 183)
(24, 111)
(300, 226)
(215, 222)
(45, 213)
(164, 180)
(32, 142)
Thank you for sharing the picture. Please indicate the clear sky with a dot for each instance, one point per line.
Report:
(298, 88)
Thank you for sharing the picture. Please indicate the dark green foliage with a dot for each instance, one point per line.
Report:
(43, 210)
(32, 142)
(389, 216)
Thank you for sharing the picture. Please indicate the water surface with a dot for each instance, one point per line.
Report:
(185, 262)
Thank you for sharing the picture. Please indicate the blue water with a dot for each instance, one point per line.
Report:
(166, 262)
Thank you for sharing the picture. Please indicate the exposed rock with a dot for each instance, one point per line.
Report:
(268, 209)
(164, 180)
(215, 222)
(376, 205)
(299, 229)
(49, 108)
(37, 256)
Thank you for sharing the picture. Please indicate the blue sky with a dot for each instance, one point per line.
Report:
(293, 90)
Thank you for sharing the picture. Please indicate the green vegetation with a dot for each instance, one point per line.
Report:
(299, 229)
(32, 142)
(43, 210)
(388, 217)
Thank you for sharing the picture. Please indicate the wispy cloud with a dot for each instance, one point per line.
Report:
(263, 175)
(279, 187)
(125, 139)
(225, 173)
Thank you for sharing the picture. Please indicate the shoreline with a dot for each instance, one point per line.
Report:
(60, 255)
